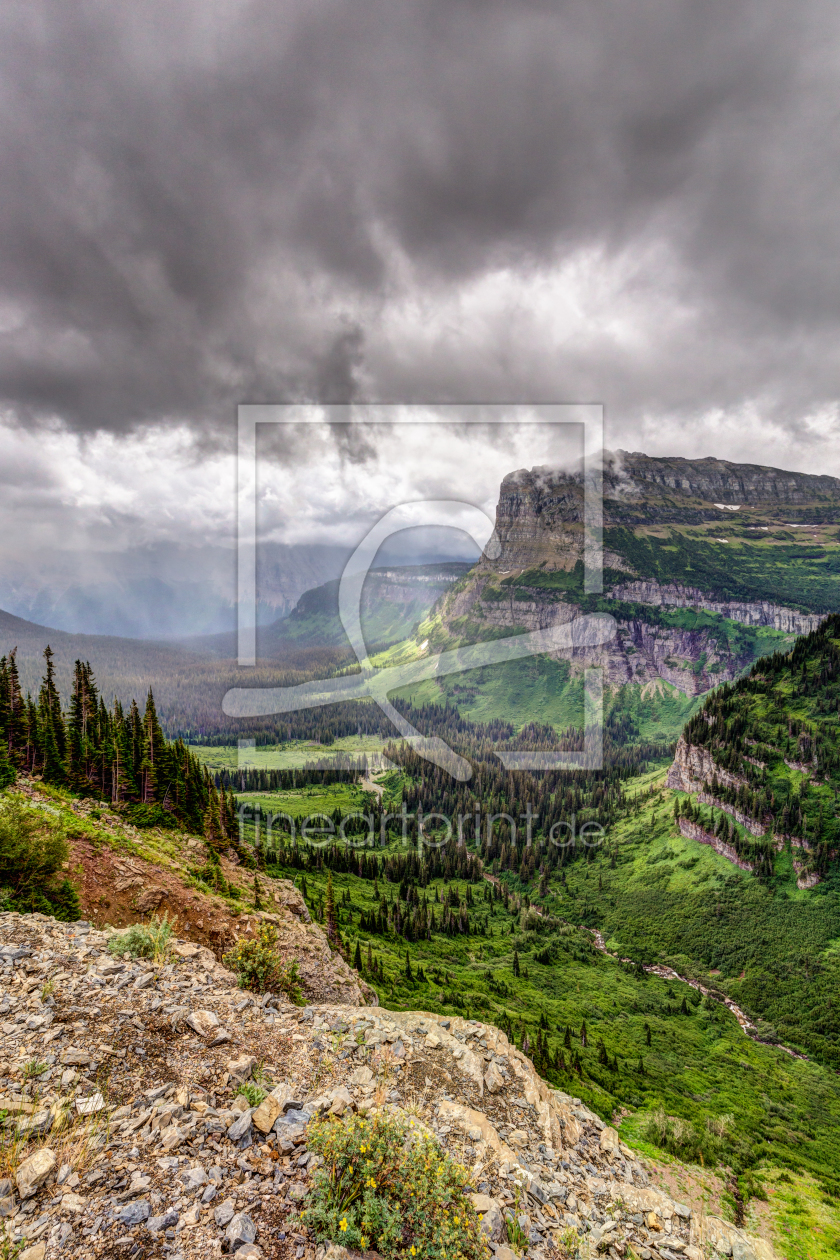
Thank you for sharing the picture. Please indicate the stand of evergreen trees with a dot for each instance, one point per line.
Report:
(116, 756)
(765, 730)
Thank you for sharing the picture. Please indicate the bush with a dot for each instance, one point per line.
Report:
(140, 815)
(253, 1092)
(33, 849)
(260, 968)
(387, 1186)
(146, 940)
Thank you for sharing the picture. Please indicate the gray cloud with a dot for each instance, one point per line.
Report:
(209, 204)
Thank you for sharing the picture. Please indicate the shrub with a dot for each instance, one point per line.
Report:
(154, 815)
(260, 968)
(253, 1092)
(146, 940)
(387, 1186)
(33, 849)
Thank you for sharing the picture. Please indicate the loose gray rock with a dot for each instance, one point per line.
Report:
(165, 1221)
(135, 1213)
(224, 1212)
(240, 1126)
(240, 1230)
(33, 1172)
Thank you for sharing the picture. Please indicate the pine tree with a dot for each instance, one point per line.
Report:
(51, 737)
(333, 935)
(357, 957)
(583, 1040)
(516, 963)
(567, 1040)
(647, 1034)
(408, 974)
(212, 823)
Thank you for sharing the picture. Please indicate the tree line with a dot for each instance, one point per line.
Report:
(116, 755)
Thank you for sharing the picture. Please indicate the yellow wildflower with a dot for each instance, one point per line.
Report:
(342, 1224)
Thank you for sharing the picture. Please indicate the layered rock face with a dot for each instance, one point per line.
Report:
(758, 613)
(540, 527)
(136, 1133)
(641, 652)
(541, 510)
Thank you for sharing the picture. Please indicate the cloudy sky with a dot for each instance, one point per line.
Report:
(211, 203)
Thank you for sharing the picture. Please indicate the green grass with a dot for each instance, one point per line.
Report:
(289, 756)
(806, 1227)
(797, 575)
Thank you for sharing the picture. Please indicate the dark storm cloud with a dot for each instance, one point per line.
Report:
(205, 204)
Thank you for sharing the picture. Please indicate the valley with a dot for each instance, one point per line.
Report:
(564, 915)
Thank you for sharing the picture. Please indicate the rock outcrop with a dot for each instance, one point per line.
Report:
(693, 769)
(124, 1087)
(694, 832)
(758, 613)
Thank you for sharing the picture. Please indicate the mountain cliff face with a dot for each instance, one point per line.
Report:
(715, 538)
(540, 510)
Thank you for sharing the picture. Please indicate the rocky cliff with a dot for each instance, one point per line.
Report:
(157, 1110)
(758, 613)
(540, 510)
(642, 651)
(540, 527)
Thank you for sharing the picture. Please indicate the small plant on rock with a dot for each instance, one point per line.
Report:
(517, 1236)
(260, 967)
(388, 1186)
(146, 940)
(254, 1093)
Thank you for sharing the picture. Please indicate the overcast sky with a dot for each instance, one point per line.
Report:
(211, 203)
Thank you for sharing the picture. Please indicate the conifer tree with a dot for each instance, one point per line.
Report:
(357, 957)
(51, 736)
(516, 963)
(212, 823)
(333, 935)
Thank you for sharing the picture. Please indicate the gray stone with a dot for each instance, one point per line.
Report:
(240, 1126)
(193, 1177)
(166, 1219)
(134, 1213)
(203, 1022)
(210, 1193)
(33, 1172)
(240, 1230)
(224, 1212)
(240, 1069)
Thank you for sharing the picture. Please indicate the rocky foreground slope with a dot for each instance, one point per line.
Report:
(126, 1131)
